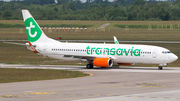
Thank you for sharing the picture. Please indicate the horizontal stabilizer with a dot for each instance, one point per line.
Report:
(22, 44)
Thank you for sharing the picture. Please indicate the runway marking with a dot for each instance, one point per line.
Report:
(41, 93)
(90, 74)
(9, 96)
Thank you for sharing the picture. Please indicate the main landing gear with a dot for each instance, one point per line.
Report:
(160, 67)
(89, 66)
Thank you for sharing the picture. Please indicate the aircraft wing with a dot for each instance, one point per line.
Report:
(81, 57)
(87, 57)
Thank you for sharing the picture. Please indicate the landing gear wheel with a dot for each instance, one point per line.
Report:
(160, 68)
(89, 66)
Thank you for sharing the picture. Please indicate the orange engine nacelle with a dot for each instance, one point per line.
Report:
(102, 62)
(125, 64)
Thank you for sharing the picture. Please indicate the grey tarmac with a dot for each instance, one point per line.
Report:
(106, 84)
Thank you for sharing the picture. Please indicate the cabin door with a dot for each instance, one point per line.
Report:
(154, 53)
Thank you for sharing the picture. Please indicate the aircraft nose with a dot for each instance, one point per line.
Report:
(174, 57)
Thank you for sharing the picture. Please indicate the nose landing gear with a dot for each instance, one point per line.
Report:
(160, 67)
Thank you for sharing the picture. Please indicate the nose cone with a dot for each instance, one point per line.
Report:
(174, 57)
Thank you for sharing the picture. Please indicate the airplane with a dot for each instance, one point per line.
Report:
(96, 54)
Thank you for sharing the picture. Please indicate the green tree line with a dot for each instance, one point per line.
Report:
(120, 10)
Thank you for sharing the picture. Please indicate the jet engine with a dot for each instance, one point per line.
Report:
(103, 62)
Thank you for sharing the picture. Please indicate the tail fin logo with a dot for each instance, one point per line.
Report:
(29, 28)
(32, 29)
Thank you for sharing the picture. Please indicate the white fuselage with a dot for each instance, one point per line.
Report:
(119, 53)
(100, 55)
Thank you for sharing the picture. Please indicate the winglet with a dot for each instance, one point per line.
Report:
(115, 40)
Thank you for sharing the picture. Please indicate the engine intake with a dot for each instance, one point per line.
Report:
(103, 62)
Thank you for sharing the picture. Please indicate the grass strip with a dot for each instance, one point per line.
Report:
(4, 25)
(18, 75)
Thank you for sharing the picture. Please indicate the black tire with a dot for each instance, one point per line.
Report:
(89, 66)
(160, 68)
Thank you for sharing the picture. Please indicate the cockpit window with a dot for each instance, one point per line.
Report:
(165, 52)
